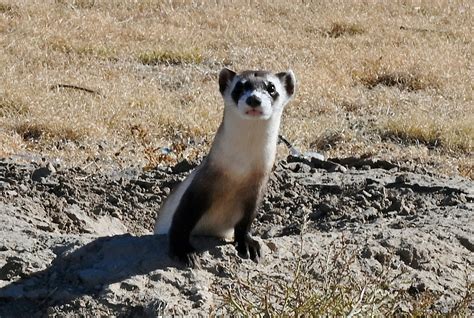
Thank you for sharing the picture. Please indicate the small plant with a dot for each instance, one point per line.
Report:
(401, 80)
(466, 169)
(170, 57)
(327, 286)
(319, 286)
(338, 29)
(78, 4)
(60, 44)
(11, 107)
(8, 8)
(36, 131)
(96, 51)
(157, 155)
(377, 72)
(330, 139)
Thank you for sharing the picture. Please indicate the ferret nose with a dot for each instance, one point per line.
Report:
(253, 101)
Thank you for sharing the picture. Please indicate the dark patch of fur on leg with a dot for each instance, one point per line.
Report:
(246, 246)
(194, 203)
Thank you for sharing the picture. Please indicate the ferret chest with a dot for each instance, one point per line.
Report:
(228, 204)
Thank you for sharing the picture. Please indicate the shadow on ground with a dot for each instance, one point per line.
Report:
(85, 271)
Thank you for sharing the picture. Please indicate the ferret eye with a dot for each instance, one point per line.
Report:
(271, 89)
(238, 90)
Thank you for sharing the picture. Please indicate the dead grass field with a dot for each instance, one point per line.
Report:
(391, 79)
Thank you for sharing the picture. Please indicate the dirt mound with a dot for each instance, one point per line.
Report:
(79, 242)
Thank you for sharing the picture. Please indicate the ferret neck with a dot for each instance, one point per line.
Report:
(247, 144)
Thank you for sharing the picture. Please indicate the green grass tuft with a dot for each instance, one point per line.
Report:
(170, 57)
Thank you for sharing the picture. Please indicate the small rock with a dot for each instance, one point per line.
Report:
(128, 286)
(117, 214)
(413, 256)
(398, 205)
(294, 166)
(272, 246)
(397, 224)
(267, 217)
(112, 199)
(466, 242)
(405, 210)
(144, 184)
(271, 232)
(340, 168)
(43, 172)
(416, 289)
(402, 178)
(45, 227)
(377, 205)
(290, 194)
(454, 199)
(267, 206)
(4, 185)
(312, 154)
(366, 252)
(366, 194)
(370, 214)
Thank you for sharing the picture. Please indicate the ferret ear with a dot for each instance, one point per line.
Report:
(225, 78)
(289, 81)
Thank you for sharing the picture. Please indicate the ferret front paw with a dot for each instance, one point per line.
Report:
(249, 247)
(186, 255)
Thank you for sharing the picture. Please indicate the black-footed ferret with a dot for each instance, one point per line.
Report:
(220, 197)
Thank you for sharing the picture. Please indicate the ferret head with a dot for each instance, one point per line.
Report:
(256, 94)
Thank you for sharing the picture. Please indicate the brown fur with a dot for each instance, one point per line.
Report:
(229, 194)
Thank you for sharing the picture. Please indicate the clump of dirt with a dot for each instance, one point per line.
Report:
(75, 242)
(130, 196)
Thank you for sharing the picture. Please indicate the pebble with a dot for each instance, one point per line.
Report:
(11, 193)
(43, 172)
(117, 214)
(4, 185)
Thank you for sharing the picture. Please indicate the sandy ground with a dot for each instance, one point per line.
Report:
(79, 243)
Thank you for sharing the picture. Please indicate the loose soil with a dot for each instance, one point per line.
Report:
(79, 243)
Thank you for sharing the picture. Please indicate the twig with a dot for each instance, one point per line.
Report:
(293, 150)
(84, 89)
(424, 30)
(355, 310)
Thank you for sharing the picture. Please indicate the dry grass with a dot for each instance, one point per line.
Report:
(361, 66)
(10, 107)
(338, 29)
(325, 286)
(455, 135)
